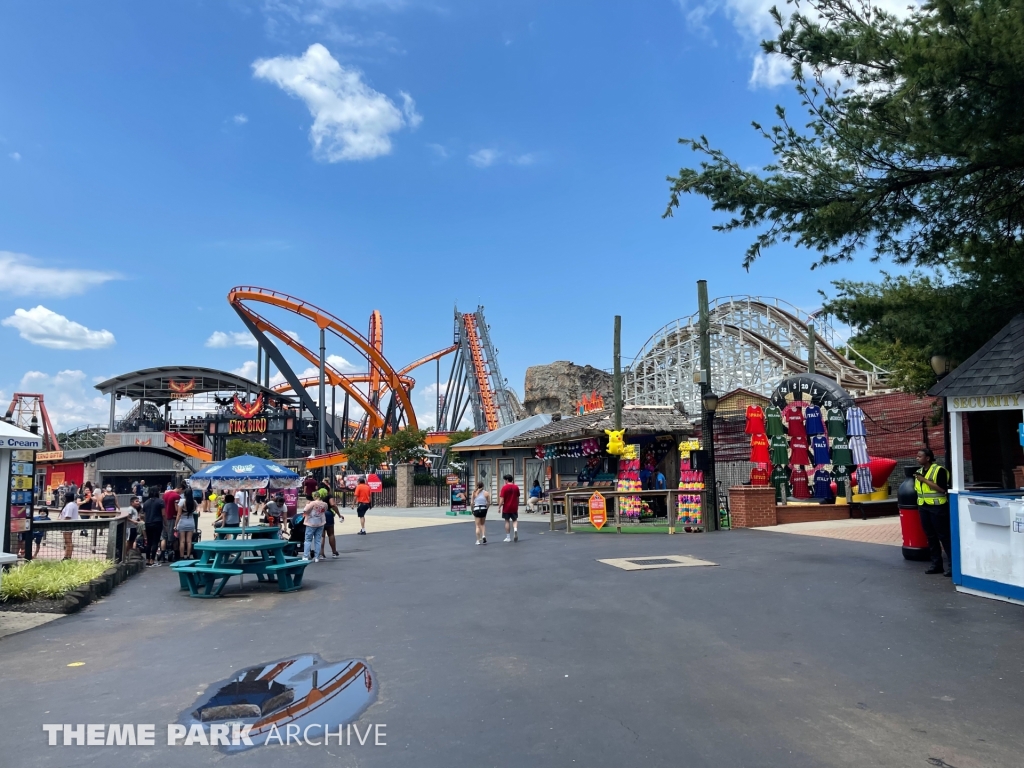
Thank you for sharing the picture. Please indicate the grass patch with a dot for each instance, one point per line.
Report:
(48, 579)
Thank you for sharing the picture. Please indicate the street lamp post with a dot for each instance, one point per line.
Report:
(709, 403)
(940, 367)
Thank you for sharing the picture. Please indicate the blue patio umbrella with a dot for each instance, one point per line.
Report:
(244, 473)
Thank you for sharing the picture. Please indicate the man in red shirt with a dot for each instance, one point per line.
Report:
(509, 495)
(309, 484)
(171, 498)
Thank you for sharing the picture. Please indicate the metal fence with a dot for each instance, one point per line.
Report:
(95, 539)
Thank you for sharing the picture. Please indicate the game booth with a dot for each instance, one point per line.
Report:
(985, 400)
(809, 446)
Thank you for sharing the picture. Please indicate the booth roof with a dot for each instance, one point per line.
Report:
(995, 369)
(643, 420)
(497, 437)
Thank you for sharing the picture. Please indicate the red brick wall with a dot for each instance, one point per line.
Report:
(752, 506)
(813, 514)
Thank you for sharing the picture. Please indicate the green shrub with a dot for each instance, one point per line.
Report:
(48, 578)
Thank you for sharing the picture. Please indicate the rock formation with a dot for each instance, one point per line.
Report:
(556, 387)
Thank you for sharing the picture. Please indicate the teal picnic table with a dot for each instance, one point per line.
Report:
(253, 531)
(220, 560)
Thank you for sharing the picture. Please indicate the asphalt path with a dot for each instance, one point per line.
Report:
(792, 651)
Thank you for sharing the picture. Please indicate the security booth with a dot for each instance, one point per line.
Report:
(985, 399)
(17, 471)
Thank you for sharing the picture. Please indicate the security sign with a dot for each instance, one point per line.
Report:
(598, 511)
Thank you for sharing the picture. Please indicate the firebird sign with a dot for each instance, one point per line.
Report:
(245, 426)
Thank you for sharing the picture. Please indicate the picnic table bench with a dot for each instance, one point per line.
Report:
(253, 531)
(220, 560)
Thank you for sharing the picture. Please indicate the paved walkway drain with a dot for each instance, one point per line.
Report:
(654, 562)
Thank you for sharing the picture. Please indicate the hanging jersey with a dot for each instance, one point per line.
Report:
(822, 484)
(864, 480)
(841, 474)
(793, 418)
(755, 420)
(779, 450)
(780, 479)
(773, 421)
(799, 482)
(759, 449)
(812, 420)
(759, 475)
(798, 451)
(859, 447)
(841, 453)
(854, 421)
(835, 422)
(819, 447)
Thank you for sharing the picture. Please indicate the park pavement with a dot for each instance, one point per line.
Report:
(791, 651)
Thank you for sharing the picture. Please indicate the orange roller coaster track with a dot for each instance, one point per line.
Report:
(380, 377)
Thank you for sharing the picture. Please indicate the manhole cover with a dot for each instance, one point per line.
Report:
(650, 563)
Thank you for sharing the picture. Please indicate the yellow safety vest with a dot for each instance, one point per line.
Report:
(926, 495)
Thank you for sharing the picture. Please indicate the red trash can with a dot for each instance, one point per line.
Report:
(915, 543)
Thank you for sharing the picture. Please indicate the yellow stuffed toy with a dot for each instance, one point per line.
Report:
(616, 445)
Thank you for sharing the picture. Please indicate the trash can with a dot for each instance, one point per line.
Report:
(915, 543)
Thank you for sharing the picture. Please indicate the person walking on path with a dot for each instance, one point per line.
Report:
(315, 518)
(932, 483)
(481, 501)
(69, 512)
(171, 498)
(509, 496)
(332, 511)
(362, 494)
(153, 518)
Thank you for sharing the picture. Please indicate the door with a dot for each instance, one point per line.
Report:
(505, 467)
(534, 470)
(482, 475)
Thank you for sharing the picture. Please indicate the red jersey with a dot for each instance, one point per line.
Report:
(799, 481)
(759, 475)
(793, 418)
(798, 452)
(755, 420)
(509, 495)
(759, 449)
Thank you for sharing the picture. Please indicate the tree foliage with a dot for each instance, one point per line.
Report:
(365, 454)
(406, 445)
(913, 152)
(238, 447)
(915, 144)
(454, 438)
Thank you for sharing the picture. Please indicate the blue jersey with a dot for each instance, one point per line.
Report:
(864, 480)
(822, 484)
(859, 447)
(814, 423)
(819, 445)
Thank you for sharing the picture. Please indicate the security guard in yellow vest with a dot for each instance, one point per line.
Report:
(932, 485)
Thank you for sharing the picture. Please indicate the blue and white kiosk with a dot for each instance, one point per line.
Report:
(985, 399)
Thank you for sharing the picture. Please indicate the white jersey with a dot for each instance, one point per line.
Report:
(859, 448)
(854, 421)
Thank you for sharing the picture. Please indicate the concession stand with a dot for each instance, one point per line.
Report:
(985, 399)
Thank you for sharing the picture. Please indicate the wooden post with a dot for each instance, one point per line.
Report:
(810, 348)
(617, 371)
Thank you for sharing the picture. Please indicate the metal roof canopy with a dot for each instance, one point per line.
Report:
(496, 438)
(154, 385)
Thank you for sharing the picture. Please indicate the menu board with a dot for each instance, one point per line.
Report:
(23, 466)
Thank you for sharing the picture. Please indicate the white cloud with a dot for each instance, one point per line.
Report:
(22, 277)
(413, 117)
(484, 158)
(46, 328)
(753, 21)
(70, 399)
(439, 150)
(221, 340)
(240, 119)
(527, 159)
(340, 364)
(351, 121)
(15, 156)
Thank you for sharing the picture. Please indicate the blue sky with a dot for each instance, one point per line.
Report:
(365, 154)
